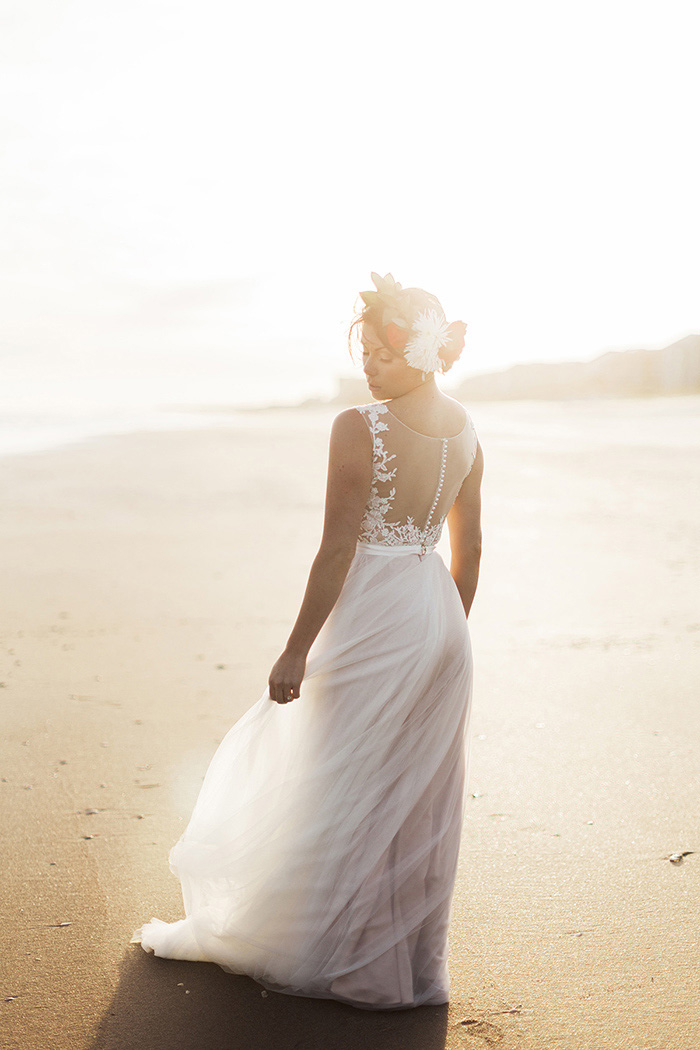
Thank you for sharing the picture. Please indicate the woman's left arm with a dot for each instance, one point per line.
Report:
(347, 492)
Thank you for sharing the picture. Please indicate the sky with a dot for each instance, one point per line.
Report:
(193, 194)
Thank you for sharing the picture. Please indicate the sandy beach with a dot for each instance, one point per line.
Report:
(149, 582)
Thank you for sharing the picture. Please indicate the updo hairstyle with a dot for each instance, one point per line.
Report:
(417, 300)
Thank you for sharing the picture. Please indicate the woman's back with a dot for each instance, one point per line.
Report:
(415, 479)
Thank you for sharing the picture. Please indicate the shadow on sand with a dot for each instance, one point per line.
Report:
(163, 1004)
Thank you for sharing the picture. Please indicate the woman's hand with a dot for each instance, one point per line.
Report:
(286, 677)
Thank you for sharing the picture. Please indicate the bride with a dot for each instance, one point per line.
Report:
(321, 855)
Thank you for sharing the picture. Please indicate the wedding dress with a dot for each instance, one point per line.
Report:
(321, 855)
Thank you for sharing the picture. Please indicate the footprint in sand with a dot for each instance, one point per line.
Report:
(491, 1034)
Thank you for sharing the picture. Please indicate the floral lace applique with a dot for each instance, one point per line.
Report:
(375, 527)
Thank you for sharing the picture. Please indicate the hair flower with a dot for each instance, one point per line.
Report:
(458, 331)
(431, 333)
(396, 335)
(413, 321)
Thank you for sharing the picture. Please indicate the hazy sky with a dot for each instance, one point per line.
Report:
(199, 189)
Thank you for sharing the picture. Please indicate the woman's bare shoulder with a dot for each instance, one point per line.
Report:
(454, 415)
(350, 426)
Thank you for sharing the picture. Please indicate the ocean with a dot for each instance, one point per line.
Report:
(39, 413)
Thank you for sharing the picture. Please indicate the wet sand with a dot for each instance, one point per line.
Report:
(150, 580)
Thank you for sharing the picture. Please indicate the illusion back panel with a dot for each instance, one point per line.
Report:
(416, 478)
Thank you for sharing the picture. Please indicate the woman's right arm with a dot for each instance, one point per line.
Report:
(347, 492)
(464, 524)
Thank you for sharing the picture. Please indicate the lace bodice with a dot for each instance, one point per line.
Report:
(415, 479)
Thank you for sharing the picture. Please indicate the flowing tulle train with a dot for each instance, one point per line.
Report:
(321, 854)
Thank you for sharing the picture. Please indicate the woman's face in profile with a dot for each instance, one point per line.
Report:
(387, 373)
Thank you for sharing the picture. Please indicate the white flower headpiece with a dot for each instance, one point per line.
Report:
(420, 333)
(430, 334)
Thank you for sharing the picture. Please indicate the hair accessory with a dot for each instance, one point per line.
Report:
(396, 337)
(430, 334)
(420, 333)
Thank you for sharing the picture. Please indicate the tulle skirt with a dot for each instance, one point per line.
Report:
(321, 855)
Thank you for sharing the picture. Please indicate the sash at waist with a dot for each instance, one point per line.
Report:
(396, 548)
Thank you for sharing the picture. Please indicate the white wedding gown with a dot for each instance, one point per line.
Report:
(321, 855)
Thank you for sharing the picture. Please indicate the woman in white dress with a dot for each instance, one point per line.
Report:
(321, 855)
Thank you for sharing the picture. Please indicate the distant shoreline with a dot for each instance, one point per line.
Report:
(672, 371)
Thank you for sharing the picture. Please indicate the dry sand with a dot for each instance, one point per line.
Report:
(150, 580)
